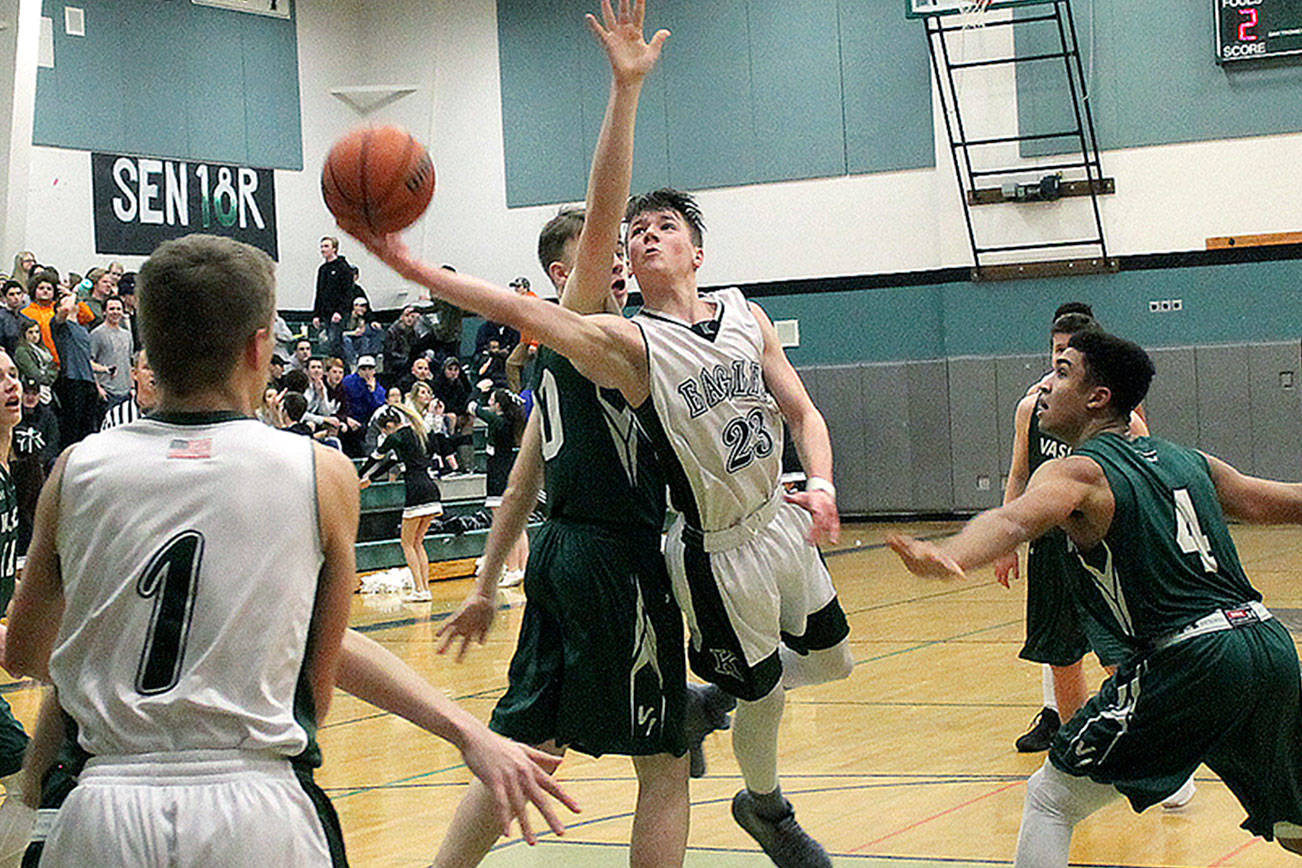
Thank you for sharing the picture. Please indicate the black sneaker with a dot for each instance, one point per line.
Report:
(1040, 735)
(707, 710)
(782, 839)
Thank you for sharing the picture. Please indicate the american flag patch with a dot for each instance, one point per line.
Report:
(190, 448)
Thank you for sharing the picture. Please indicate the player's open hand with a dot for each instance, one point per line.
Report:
(924, 558)
(470, 623)
(516, 775)
(631, 56)
(821, 506)
(1006, 569)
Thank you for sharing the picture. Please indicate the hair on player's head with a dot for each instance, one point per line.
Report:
(1073, 307)
(201, 298)
(669, 199)
(1117, 364)
(1073, 323)
(556, 233)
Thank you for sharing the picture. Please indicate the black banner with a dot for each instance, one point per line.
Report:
(143, 201)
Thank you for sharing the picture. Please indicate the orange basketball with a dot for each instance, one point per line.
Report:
(379, 176)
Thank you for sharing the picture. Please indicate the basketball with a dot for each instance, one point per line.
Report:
(378, 176)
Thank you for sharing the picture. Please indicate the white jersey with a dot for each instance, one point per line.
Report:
(189, 556)
(711, 412)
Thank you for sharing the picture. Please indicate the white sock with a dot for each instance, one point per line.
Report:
(816, 667)
(15, 824)
(1046, 686)
(1055, 803)
(755, 740)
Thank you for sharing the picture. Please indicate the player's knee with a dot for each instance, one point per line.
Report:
(1066, 798)
(661, 772)
(840, 662)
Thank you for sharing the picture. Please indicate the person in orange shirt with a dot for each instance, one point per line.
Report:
(42, 285)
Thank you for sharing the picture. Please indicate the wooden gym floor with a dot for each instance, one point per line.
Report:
(908, 763)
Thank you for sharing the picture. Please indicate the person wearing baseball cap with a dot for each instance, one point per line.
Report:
(365, 394)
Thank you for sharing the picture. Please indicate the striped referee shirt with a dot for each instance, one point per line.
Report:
(121, 413)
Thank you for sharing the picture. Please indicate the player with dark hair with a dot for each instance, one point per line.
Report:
(1153, 561)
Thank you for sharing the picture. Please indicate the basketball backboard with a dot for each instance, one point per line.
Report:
(923, 8)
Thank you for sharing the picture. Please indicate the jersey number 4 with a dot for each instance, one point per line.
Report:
(170, 579)
(1189, 534)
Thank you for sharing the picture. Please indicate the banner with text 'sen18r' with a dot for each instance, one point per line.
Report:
(142, 201)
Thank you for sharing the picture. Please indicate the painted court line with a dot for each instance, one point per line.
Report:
(943, 813)
(1230, 855)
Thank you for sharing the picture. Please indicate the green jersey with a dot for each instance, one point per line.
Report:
(600, 468)
(8, 537)
(1043, 446)
(1167, 559)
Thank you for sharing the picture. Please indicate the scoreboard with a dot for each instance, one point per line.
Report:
(1257, 29)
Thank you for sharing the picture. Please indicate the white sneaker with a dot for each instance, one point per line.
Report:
(1180, 797)
(511, 578)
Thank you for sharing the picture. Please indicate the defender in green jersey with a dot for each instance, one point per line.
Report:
(1056, 634)
(1154, 562)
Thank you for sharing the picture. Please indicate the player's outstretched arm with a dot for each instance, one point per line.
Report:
(1255, 500)
(472, 620)
(1019, 469)
(515, 774)
(1056, 490)
(608, 350)
(338, 496)
(631, 58)
(808, 432)
(37, 607)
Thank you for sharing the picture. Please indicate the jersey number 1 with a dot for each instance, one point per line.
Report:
(170, 579)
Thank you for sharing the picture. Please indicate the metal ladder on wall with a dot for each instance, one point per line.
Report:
(1050, 187)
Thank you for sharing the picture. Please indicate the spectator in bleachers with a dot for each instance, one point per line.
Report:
(420, 372)
(302, 355)
(285, 337)
(102, 287)
(110, 351)
(363, 336)
(294, 406)
(37, 363)
(12, 321)
(269, 412)
(296, 381)
(422, 402)
(276, 370)
(440, 326)
(127, 292)
(24, 266)
(42, 287)
(351, 431)
(453, 389)
(393, 396)
(365, 394)
(80, 397)
(335, 290)
(400, 345)
(140, 400)
(35, 447)
(527, 346)
(491, 364)
(505, 336)
(116, 270)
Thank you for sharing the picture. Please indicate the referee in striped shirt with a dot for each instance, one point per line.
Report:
(139, 401)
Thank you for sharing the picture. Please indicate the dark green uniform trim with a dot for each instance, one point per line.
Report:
(325, 812)
(1229, 699)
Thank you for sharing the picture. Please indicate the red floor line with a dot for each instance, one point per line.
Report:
(1230, 855)
(941, 814)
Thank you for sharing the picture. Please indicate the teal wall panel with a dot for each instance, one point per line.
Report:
(1243, 303)
(796, 91)
(173, 80)
(1157, 82)
(711, 132)
(748, 91)
(886, 74)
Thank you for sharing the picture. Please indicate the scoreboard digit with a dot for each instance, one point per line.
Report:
(1257, 29)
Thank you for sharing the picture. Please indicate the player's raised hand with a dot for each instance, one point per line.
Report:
(631, 56)
(821, 505)
(387, 247)
(469, 623)
(1006, 569)
(516, 775)
(924, 558)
